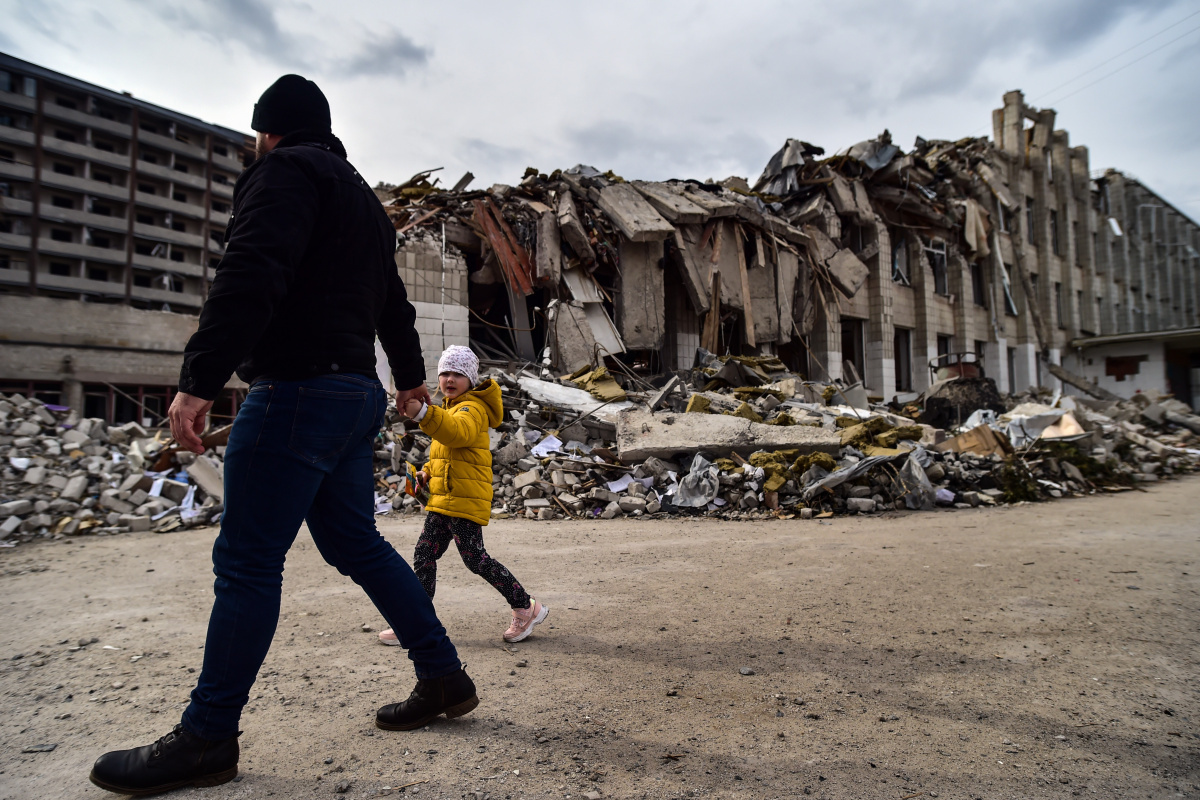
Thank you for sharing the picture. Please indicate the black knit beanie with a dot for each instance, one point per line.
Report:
(291, 103)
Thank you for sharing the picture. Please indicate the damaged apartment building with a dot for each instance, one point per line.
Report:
(872, 265)
(865, 265)
(112, 218)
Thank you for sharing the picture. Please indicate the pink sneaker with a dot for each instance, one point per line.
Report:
(524, 619)
(388, 637)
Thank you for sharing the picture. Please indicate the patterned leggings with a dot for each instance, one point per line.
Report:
(468, 537)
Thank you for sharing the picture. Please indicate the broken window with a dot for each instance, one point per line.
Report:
(1029, 219)
(6, 81)
(145, 219)
(149, 158)
(935, 251)
(66, 103)
(900, 261)
(1121, 367)
(980, 345)
(219, 207)
(1054, 232)
(945, 344)
(8, 156)
(978, 285)
(854, 344)
(148, 127)
(107, 147)
(58, 201)
(141, 279)
(101, 209)
(146, 188)
(102, 177)
(180, 166)
(179, 197)
(176, 255)
(60, 269)
(30, 87)
(178, 226)
(220, 150)
(1012, 369)
(97, 274)
(5, 262)
(902, 355)
(65, 136)
(1059, 311)
(60, 235)
(63, 169)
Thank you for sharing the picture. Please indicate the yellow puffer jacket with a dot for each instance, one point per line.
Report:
(460, 458)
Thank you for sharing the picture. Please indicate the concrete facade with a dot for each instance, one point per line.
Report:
(1104, 253)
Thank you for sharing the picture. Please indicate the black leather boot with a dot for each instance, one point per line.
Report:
(452, 695)
(176, 760)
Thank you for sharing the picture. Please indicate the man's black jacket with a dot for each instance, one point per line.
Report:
(307, 280)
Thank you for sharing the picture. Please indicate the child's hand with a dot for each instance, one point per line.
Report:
(412, 407)
(423, 478)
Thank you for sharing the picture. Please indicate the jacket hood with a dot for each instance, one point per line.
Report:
(487, 394)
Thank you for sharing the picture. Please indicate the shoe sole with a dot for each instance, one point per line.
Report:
(523, 636)
(390, 642)
(465, 707)
(215, 779)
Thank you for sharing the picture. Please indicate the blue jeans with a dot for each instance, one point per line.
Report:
(302, 451)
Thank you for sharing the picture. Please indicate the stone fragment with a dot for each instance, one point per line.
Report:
(860, 505)
(75, 488)
(630, 504)
(526, 479)
(134, 522)
(537, 502)
(16, 507)
(35, 475)
(611, 510)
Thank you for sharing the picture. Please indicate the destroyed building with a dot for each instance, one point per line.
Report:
(112, 217)
(874, 265)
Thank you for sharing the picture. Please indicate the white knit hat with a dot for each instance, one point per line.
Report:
(457, 358)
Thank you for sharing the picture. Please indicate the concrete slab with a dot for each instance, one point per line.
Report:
(641, 434)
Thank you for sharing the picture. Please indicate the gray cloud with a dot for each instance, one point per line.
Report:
(393, 54)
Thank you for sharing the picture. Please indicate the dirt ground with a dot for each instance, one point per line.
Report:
(1035, 651)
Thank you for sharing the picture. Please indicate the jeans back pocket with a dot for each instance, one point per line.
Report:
(325, 422)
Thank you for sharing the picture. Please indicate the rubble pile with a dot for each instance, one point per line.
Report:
(708, 442)
(66, 475)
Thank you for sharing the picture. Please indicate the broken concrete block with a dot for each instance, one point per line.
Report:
(35, 475)
(75, 488)
(642, 434)
(134, 522)
(847, 272)
(16, 508)
(110, 501)
(55, 482)
(653, 507)
(75, 438)
(630, 504)
(208, 477)
(571, 501)
(602, 495)
(174, 490)
(545, 513)
(526, 479)
(860, 505)
(27, 428)
(537, 502)
(9, 526)
(610, 511)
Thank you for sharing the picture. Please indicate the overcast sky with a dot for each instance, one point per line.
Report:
(653, 90)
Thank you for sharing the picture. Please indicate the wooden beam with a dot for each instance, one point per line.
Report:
(693, 280)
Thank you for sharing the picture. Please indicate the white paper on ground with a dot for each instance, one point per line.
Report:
(19, 463)
(551, 444)
(157, 487)
(621, 483)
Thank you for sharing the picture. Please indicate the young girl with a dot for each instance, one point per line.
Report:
(459, 473)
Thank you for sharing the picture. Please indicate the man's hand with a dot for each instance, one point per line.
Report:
(188, 415)
(419, 392)
(412, 407)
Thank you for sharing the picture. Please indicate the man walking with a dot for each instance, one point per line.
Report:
(307, 281)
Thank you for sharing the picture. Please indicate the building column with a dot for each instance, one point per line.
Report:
(881, 360)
